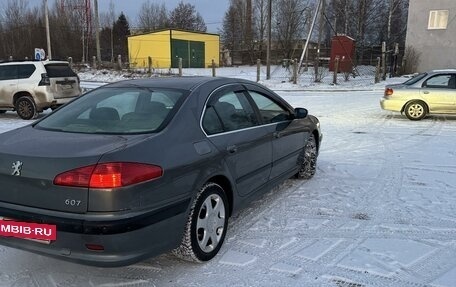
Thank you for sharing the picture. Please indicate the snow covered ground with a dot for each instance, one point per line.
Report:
(380, 211)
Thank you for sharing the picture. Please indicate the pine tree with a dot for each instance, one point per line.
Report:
(121, 31)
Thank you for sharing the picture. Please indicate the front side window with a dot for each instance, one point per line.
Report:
(439, 82)
(115, 111)
(438, 19)
(231, 111)
(270, 111)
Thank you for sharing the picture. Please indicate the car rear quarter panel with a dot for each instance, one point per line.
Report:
(400, 97)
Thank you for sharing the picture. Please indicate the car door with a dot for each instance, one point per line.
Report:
(8, 84)
(288, 135)
(233, 127)
(440, 93)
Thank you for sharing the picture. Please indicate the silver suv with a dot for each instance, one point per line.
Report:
(29, 87)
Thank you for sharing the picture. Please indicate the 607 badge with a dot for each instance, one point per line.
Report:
(26, 230)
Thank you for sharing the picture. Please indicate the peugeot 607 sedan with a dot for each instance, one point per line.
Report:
(141, 167)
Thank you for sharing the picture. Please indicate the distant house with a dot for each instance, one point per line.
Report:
(431, 30)
(165, 47)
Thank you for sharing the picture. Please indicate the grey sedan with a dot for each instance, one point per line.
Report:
(426, 93)
(141, 167)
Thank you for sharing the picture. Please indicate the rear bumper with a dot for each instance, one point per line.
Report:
(46, 97)
(391, 105)
(125, 241)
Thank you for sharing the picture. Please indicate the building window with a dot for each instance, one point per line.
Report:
(438, 19)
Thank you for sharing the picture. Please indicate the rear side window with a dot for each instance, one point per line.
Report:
(8, 72)
(25, 71)
(231, 111)
(439, 82)
(211, 122)
(59, 71)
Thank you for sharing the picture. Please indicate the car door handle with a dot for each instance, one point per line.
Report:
(277, 135)
(426, 92)
(232, 149)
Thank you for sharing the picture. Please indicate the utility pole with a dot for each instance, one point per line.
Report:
(321, 26)
(320, 32)
(97, 32)
(392, 7)
(268, 50)
(248, 32)
(112, 18)
(346, 17)
(48, 36)
(306, 46)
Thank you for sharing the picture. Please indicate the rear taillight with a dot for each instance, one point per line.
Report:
(109, 175)
(388, 92)
(45, 81)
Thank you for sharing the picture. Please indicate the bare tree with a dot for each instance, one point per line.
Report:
(363, 20)
(107, 21)
(152, 17)
(239, 32)
(396, 26)
(260, 13)
(290, 21)
(185, 16)
(368, 16)
(14, 17)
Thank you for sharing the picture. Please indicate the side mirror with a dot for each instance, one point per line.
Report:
(300, 113)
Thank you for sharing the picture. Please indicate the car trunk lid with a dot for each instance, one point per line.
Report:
(30, 160)
(64, 82)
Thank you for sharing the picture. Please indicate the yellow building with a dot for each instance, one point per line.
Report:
(165, 47)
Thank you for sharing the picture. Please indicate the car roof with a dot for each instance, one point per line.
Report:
(54, 62)
(24, 62)
(444, 71)
(184, 83)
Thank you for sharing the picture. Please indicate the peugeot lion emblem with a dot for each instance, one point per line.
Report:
(17, 167)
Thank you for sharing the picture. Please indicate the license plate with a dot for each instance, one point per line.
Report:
(43, 233)
(67, 87)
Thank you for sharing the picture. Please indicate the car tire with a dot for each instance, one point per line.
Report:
(308, 159)
(206, 226)
(26, 108)
(415, 110)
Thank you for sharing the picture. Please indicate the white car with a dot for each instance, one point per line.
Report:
(29, 87)
(433, 92)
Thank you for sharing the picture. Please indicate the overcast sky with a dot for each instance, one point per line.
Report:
(212, 11)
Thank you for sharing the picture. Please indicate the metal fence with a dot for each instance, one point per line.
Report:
(310, 75)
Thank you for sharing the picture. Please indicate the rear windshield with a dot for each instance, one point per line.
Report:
(116, 111)
(415, 79)
(59, 71)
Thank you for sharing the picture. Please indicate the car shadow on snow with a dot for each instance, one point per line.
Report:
(11, 115)
(433, 117)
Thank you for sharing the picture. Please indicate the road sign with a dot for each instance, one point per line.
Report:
(40, 55)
